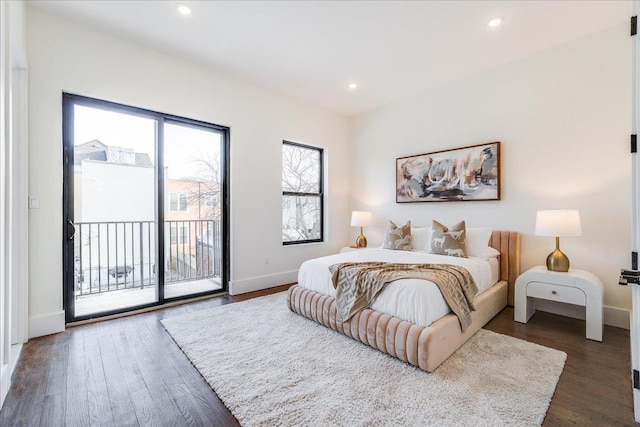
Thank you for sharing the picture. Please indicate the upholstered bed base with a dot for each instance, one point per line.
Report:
(424, 347)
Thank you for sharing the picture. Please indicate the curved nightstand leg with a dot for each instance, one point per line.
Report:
(594, 319)
(524, 305)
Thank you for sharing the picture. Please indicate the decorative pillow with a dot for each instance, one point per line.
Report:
(397, 238)
(449, 241)
(420, 238)
(478, 243)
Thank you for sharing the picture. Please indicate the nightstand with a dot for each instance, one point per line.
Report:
(573, 287)
(350, 248)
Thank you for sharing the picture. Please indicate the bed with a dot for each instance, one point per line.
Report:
(424, 343)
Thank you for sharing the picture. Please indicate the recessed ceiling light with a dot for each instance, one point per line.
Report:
(495, 22)
(353, 86)
(184, 9)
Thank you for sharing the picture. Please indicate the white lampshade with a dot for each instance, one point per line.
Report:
(561, 223)
(360, 218)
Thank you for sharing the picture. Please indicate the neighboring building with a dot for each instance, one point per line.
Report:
(114, 209)
(192, 211)
(114, 203)
(112, 184)
(192, 199)
(96, 150)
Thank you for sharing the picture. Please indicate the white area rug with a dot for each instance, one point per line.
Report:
(273, 367)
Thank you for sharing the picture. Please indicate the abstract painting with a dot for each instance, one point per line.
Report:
(460, 174)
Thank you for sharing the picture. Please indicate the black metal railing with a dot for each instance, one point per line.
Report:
(194, 250)
(116, 255)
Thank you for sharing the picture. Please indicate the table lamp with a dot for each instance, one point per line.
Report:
(558, 223)
(361, 219)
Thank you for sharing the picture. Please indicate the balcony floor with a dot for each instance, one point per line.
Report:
(115, 300)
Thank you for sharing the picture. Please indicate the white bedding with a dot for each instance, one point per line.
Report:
(414, 300)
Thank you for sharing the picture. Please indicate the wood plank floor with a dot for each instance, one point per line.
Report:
(129, 372)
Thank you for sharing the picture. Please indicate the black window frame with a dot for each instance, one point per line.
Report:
(69, 101)
(319, 194)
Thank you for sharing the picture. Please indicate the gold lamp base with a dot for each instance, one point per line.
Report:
(557, 261)
(361, 241)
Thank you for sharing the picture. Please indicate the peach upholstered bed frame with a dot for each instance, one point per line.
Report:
(425, 347)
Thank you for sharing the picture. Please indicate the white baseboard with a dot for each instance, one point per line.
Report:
(264, 282)
(618, 317)
(613, 316)
(46, 325)
(16, 349)
(5, 382)
(6, 371)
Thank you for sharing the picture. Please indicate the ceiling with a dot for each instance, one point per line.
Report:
(312, 50)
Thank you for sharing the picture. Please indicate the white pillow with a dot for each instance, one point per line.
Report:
(420, 237)
(478, 243)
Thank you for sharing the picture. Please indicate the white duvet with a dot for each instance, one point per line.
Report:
(414, 300)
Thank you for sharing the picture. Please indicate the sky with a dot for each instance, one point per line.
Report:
(183, 145)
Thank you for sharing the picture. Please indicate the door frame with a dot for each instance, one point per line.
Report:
(69, 100)
(635, 291)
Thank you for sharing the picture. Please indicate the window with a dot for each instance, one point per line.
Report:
(302, 194)
(179, 235)
(212, 201)
(178, 202)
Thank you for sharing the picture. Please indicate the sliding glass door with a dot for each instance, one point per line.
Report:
(114, 197)
(145, 208)
(192, 210)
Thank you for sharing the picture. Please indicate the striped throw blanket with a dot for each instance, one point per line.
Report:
(358, 283)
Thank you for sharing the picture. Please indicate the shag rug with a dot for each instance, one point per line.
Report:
(272, 367)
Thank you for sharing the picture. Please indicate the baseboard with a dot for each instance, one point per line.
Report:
(16, 349)
(5, 382)
(7, 371)
(46, 325)
(618, 317)
(613, 316)
(264, 282)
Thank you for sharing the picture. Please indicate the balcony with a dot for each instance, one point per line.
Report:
(115, 262)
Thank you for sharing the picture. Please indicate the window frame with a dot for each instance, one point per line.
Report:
(212, 201)
(178, 195)
(320, 194)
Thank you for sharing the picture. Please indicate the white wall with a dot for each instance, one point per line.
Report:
(5, 118)
(68, 56)
(13, 195)
(563, 117)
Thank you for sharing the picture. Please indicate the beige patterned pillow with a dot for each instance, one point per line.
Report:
(397, 238)
(449, 241)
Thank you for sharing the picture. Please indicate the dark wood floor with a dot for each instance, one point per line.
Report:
(595, 385)
(129, 372)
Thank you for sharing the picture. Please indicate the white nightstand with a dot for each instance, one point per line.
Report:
(574, 287)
